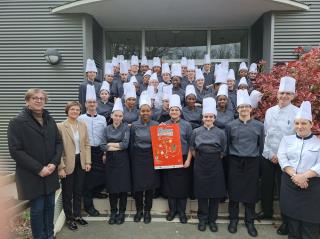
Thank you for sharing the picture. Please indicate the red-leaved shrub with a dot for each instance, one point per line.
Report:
(306, 71)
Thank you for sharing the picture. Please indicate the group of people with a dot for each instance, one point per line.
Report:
(105, 143)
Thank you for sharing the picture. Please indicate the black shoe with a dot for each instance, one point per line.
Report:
(100, 195)
(170, 216)
(120, 218)
(138, 216)
(283, 229)
(262, 216)
(252, 231)
(183, 218)
(112, 219)
(92, 211)
(232, 228)
(71, 225)
(156, 193)
(147, 217)
(202, 226)
(81, 221)
(213, 226)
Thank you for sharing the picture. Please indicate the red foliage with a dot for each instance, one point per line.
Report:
(306, 71)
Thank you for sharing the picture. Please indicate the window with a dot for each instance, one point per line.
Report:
(125, 43)
(172, 45)
(227, 44)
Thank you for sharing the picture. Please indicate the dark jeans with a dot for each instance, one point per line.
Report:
(114, 198)
(234, 211)
(177, 205)
(208, 209)
(41, 215)
(302, 230)
(72, 187)
(147, 204)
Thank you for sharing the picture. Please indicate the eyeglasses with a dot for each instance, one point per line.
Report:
(244, 106)
(38, 99)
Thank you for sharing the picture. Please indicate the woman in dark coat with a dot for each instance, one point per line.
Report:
(118, 179)
(36, 146)
(177, 182)
(145, 177)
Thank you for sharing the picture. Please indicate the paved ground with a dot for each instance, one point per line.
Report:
(161, 230)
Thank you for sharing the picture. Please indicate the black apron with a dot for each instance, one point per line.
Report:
(300, 204)
(176, 182)
(208, 176)
(118, 178)
(96, 176)
(144, 176)
(243, 179)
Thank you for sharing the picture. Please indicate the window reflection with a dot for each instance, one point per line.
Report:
(125, 43)
(172, 45)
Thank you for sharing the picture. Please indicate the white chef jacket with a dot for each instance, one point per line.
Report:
(300, 154)
(278, 122)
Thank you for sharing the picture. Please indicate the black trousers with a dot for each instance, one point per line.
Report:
(303, 230)
(145, 205)
(270, 177)
(208, 209)
(72, 186)
(177, 205)
(114, 198)
(234, 211)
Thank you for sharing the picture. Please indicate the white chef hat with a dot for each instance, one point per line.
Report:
(91, 93)
(165, 68)
(207, 59)
(133, 80)
(123, 67)
(223, 90)
(156, 62)
(184, 61)
(91, 66)
(150, 92)
(216, 69)
(304, 111)
(144, 100)
(120, 58)
(150, 63)
(221, 76)
(148, 73)
(191, 65)
(115, 61)
(287, 84)
(166, 93)
(190, 90)
(105, 86)
(255, 97)
(253, 68)
(243, 98)
(108, 68)
(144, 61)
(243, 81)
(129, 90)
(231, 75)
(166, 96)
(176, 70)
(175, 101)
(224, 66)
(154, 76)
(117, 105)
(134, 60)
(199, 74)
(209, 106)
(243, 66)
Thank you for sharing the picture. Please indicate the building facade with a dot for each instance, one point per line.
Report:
(237, 30)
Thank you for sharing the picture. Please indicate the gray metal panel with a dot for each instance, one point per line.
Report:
(293, 29)
(27, 29)
(97, 33)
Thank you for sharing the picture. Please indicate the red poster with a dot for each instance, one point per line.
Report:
(166, 146)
